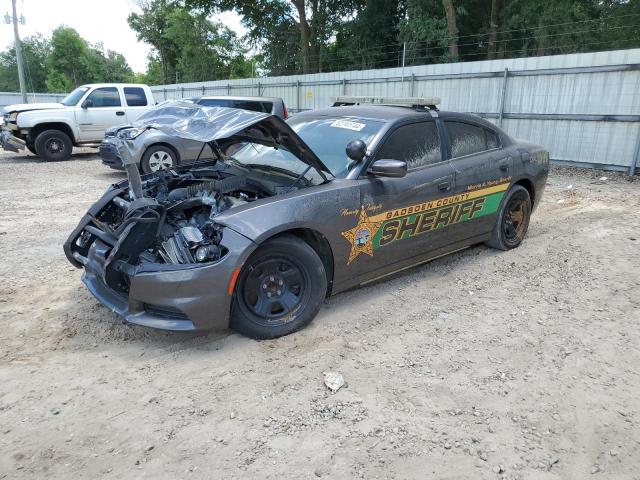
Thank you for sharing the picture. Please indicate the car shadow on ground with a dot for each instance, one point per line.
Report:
(166, 342)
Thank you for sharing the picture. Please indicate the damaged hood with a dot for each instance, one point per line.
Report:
(26, 107)
(213, 124)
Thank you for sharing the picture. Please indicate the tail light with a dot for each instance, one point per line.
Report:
(286, 112)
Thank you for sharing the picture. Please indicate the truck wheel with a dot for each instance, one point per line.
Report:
(157, 157)
(513, 220)
(279, 290)
(53, 145)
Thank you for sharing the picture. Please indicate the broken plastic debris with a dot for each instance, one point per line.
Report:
(333, 380)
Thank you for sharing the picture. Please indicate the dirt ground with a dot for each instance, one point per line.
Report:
(484, 364)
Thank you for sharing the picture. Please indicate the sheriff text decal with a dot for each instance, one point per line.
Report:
(382, 229)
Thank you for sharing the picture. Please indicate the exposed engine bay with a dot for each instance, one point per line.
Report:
(173, 222)
(167, 220)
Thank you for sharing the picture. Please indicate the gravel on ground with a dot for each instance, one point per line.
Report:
(483, 364)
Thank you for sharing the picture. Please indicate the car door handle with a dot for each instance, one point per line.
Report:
(504, 166)
(444, 186)
(120, 113)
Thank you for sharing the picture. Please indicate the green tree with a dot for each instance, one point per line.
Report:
(312, 24)
(72, 61)
(68, 63)
(151, 27)
(35, 51)
(187, 42)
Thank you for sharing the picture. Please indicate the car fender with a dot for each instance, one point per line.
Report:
(315, 208)
(154, 137)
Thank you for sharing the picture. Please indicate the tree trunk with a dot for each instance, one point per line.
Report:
(305, 36)
(163, 64)
(493, 30)
(317, 31)
(452, 27)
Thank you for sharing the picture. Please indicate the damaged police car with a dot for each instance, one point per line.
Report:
(288, 213)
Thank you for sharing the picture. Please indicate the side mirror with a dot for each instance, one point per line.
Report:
(356, 150)
(388, 168)
(87, 103)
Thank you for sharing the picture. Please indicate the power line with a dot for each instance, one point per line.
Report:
(387, 47)
(579, 22)
(337, 64)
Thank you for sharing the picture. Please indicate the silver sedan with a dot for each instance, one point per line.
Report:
(154, 150)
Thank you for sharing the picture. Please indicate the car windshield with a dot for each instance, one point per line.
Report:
(74, 97)
(328, 137)
(272, 160)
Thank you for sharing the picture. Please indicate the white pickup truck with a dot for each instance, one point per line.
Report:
(51, 130)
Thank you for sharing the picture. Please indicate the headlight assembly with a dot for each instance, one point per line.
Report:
(130, 133)
(13, 116)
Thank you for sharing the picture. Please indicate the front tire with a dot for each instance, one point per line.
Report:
(279, 290)
(157, 157)
(513, 219)
(53, 145)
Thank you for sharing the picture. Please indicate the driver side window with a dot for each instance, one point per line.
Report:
(105, 97)
(417, 144)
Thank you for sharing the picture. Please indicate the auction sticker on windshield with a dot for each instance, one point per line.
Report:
(349, 125)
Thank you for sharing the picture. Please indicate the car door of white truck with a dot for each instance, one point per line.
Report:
(137, 102)
(101, 109)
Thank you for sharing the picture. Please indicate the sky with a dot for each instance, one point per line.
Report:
(95, 20)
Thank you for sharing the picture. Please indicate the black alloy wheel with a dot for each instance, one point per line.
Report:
(516, 219)
(279, 290)
(513, 219)
(274, 288)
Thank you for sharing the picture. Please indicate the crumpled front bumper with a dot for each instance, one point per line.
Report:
(10, 142)
(168, 297)
(109, 155)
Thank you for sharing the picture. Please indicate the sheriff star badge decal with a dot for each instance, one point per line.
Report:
(361, 236)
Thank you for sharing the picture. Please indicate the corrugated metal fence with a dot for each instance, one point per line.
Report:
(585, 108)
(10, 98)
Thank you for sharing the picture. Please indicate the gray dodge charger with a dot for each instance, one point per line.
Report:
(284, 214)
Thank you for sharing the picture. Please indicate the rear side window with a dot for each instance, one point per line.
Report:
(135, 97)
(254, 106)
(417, 144)
(467, 139)
(214, 102)
(264, 107)
(492, 139)
(105, 97)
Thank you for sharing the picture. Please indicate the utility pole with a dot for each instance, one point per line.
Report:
(18, 46)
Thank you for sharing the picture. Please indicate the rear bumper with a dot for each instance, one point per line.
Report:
(10, 142)
(168, 297)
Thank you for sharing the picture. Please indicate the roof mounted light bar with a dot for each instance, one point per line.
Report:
(428, 102)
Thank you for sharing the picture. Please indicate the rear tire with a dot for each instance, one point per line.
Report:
(513, 219)
(157, 157)
(53, 145)
(279, 290)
